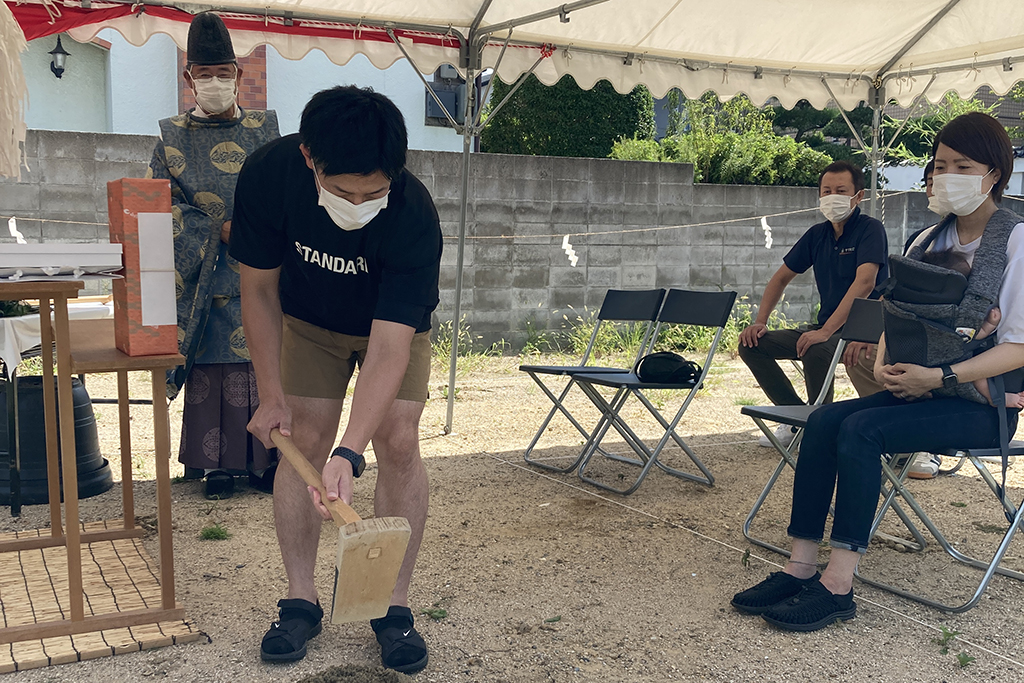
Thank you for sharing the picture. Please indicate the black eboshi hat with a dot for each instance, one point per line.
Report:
(208, 41)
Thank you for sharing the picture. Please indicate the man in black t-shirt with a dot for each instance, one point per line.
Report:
(340, 249)
(849, 253)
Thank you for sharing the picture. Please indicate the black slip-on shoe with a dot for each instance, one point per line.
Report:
(777, 587)
(813, 608)
(218, 485)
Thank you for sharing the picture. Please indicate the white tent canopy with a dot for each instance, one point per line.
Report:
(764, 48)
(824, 51)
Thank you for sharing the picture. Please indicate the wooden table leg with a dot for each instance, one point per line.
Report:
(124, 413)
(162, 441)
(69, 460)
(50, 419)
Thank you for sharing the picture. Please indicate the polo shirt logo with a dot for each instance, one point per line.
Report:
(847, 250)
(335, 264)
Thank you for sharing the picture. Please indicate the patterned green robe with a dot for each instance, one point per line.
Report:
(202, 159)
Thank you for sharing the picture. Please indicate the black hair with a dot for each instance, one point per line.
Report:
(843, 166)
(929, 169)
(354, 130)
(981, 138)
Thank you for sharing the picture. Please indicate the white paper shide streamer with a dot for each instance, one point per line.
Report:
(12, 227)
(13, 94)
(569, 251)
(767, 232)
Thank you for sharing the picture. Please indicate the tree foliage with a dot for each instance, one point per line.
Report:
(729, 142)
(915, 142)
(565, 120)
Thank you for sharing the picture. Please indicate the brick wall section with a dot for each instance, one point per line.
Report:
(252, 94)
(521, 207)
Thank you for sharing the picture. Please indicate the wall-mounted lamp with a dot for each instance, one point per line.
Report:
(58, 57)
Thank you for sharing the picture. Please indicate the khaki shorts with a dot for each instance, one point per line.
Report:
(318, 363)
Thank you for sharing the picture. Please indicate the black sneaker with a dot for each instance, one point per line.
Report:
(219, 485)
(777, 587)
(298, 621)
(401, 647)
(813, 608)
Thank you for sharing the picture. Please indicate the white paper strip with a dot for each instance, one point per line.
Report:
(156, 242)
(158, 304)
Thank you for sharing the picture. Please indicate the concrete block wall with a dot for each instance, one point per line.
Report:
(632, 224)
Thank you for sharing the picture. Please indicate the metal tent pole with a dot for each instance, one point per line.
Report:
(876, 142)
(467, 145)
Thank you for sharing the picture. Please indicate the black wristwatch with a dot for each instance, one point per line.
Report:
(358, 461)
(949, 378)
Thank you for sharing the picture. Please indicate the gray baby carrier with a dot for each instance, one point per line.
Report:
(932, 314)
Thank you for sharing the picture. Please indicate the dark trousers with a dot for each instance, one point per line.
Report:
(842, 449)
(775, 345)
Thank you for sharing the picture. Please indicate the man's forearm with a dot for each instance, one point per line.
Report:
(262, 321)
(770, 299)
(858, 290)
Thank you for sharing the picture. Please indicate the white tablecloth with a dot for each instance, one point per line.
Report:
(22, 333)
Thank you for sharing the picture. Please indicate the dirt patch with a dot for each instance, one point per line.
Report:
(544, 578)
(355, 674)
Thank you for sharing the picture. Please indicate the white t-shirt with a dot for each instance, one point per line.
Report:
(1011, 291)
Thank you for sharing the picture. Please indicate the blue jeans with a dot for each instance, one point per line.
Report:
(842, 448)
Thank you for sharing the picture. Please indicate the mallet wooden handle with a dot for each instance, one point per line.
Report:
(342, 513)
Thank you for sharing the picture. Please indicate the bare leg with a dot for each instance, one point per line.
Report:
(981, 385)
(838, 575)
(314, 429)
(402, 486)
(803, 559)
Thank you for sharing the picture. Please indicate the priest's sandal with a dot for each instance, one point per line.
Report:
(813, 608)
(401, 647)
(777, 587)
(298, 622)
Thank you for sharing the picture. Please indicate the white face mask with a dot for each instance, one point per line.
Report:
(215, 95)
(345, 214)
(936, 205)
(835, 207)
(960, 193)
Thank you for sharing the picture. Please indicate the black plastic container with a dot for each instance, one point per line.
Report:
(94, 475)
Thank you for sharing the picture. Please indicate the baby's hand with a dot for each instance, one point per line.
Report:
(990, 324)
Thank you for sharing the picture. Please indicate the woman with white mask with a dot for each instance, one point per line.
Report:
(201, 153)
(918, 410)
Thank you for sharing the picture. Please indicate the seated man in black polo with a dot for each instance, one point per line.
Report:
(848, 252)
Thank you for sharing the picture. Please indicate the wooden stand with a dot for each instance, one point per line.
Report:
(88, 347)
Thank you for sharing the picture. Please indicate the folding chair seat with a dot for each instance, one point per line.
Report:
(619, 306)
(864, 324)
(1014, 516)
(704, 309)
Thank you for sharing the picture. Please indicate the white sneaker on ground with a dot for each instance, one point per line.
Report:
(924, 466)
(784, 433)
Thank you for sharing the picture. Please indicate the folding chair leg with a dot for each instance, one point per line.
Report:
(648, 457)
(990, 568)
(557, 407)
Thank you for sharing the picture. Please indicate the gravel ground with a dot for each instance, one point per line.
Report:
(543, 578)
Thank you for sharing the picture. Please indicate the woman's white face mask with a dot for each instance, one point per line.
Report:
(959, 192)
(215, 95)
(936, 205)
(345, 214)
(836, 207)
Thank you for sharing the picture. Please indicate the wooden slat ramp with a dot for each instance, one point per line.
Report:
(117, 576)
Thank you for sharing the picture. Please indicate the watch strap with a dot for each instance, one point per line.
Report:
(949, 378)
(357, 461)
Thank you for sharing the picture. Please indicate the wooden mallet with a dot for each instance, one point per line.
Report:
(370, 551)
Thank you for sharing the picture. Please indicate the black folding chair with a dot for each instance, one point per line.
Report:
(704, 309)
(619, 306)
(1014, 515)
(864, 324)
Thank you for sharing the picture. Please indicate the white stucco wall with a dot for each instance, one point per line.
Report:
(79, 100)
(143, 83)
(290, 84)
(909, 178)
